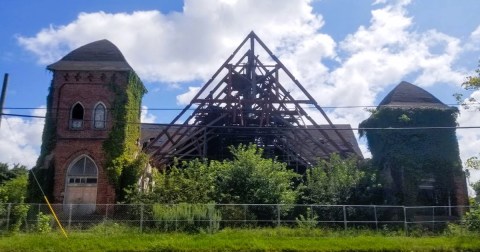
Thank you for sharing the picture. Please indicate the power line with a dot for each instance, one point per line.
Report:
(280, 127)
(28, 116)
(324, 107)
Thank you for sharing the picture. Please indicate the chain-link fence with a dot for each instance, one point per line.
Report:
(190, 217)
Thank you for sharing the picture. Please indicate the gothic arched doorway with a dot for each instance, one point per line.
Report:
(81, 185)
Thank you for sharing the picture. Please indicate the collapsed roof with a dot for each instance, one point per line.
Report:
(246, 101)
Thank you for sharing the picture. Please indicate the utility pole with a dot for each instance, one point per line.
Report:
(2, 98)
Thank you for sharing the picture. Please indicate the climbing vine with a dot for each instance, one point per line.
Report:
(121, 147)
(44, 174)
(412, 154)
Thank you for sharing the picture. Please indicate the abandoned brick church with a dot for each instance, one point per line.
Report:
(244, 102)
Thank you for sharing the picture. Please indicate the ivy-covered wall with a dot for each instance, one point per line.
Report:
(406, 157)
(121, 148)
(43, 174)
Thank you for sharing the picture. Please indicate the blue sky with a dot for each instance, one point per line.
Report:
(345, 52)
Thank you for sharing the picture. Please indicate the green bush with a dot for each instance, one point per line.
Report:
(19, 215)
(187, 217)
(454, 229)
(472, 219)
(309, 221)
(44, 222)
(111, 228)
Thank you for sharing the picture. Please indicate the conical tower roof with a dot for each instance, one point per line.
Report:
(96, 56)
(406, 95)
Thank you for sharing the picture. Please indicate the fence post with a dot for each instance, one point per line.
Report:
(405, 226)
(106, 213)
(176, 218)
(69, 216)
(433, 218)
(9, 208)
(278, 215)
(344, 217)
(141, 218)
(38, 214)
(210, 209)
(311, 216)
(375, 215)
(245, 214)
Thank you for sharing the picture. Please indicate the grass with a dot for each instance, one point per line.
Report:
(277, 239)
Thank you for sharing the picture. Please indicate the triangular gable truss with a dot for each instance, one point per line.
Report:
(245, 102)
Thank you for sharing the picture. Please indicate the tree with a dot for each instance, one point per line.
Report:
(251, 179)
(7, 174)
(14, 191)
(471, 83)
(247, 179)
(188, 182)
(476, 188)
(332, 181)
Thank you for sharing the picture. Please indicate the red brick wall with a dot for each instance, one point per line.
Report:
(88, 88)
(460, 190)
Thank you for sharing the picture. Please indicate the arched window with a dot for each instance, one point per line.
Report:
(99, 116)
(76, 117)
(82, 171)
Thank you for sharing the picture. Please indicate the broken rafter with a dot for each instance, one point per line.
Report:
(250, 96)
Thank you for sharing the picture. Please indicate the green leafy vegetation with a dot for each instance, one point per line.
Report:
(44, 223)
(248, 178)
(7, 173)
(44, 168)
(14, 191)
(471, 83)
(332, 181)
(309, 221)
(121, 148)
(409, 156)
(187, 218)
(472, 219)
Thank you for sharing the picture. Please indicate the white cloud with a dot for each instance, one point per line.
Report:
(384, 53)
(185, 98)
(191, 45)
(474, 40)
(469, 139)
(21, 146)
(180, 46)
(146, 117)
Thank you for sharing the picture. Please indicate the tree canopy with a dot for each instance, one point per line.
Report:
(332, 181)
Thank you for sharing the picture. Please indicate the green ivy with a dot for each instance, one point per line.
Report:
(121, 147)
(44, 175)
(414, 154)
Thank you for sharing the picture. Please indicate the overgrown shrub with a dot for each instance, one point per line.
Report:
(44, 223)
(187, 217)
(309, 221)
(111, 228)
(332, 181)
(472, 219)
(18, 216)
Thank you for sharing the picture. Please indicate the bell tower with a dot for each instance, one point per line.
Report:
(88, 84)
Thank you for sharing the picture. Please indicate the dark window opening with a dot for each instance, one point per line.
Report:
(77, 116)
